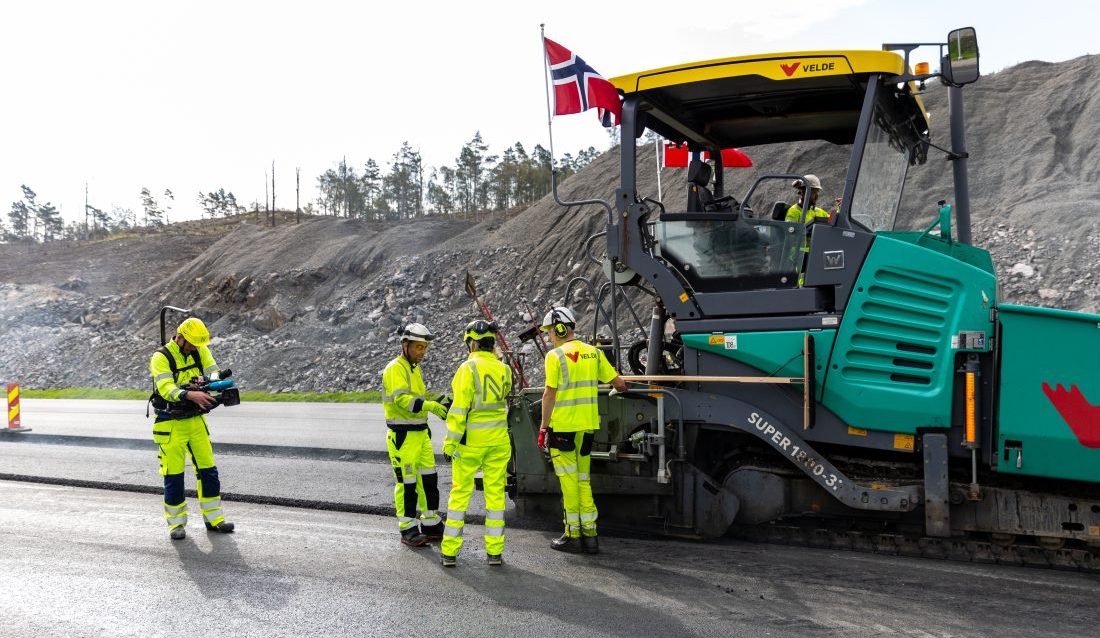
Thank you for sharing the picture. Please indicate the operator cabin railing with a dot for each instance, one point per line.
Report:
(805, 380)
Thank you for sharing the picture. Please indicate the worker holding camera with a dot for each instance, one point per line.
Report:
(182, 370)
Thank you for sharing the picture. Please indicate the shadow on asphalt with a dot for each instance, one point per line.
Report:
(573, 604)
(223, 573)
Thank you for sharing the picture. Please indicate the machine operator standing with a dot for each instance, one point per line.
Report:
(408, 439)
(570, 419)
(180, 427)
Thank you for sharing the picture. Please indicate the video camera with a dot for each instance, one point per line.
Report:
(224, 390)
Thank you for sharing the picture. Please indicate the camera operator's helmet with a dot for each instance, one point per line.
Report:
(480, 329)
(194, 331)
(815, 183)
(416, 332)
(560, 319)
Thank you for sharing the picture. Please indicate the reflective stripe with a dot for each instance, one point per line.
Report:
(569, 402)
(452, 531)
(209, 505)
(423, 421)
(572, 518)
(408, 479)
(491, 515)
(405, 519)
(454, 436)
(179, 520)
(429, 518)
(496, 405)
(564, 368)
(458, 411)
(212, 515)
(565, 469)
(398, 392)
(175, 509)
(486, 425)
(456, 515)
(426, 470)
(494, 531)
(477, 385)
(162, 376)
(584, 476)
(579, 384)
(588, 517)
(177, 394)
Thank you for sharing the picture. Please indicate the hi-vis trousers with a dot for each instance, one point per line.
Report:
(493, 463)
(179, 439)
(414, 472)
(570, 452)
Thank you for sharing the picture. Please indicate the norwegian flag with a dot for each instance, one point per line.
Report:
(577, 86)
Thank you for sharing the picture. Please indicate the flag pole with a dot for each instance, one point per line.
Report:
(546, 86)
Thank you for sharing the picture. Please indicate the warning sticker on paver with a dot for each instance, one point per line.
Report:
(731, 342)
(903, 441)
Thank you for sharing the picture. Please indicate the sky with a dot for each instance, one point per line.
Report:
(197, 96)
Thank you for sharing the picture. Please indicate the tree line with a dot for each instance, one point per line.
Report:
(478, 181)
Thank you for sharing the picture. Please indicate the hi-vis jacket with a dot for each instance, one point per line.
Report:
(479, 415)
(795, 214)
(187, 367)
(403, 387)
(575, 369)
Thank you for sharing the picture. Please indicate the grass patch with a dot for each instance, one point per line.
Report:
(83, 393)
(365, 396)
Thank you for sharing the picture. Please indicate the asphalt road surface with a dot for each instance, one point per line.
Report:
(78, 561)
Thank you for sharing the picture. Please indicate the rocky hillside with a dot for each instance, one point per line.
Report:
(316, 306)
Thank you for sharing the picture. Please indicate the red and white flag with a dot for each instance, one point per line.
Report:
(577, 86)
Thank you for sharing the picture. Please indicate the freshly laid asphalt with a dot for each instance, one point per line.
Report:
(81, 561)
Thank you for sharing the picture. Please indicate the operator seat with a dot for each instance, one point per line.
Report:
(699, 196)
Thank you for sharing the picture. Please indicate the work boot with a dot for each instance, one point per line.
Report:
(495, 560)
(413, 538)
(590, 544)
(448, 561)
(432, 532)
(177, 533)
(224, 527)
(566, 544)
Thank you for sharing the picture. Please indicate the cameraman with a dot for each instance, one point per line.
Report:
(180, 428)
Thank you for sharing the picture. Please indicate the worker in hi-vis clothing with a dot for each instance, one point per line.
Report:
(180, 427)
(408, 439)
(477, 438)
(570, 419)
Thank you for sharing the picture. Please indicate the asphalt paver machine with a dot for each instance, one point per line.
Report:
(841, 383)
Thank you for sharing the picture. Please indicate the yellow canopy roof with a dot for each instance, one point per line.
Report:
(769, 98)
(774, 66)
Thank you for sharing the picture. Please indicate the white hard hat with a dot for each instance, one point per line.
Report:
(812, 179)
(416, 332)
(558, 314)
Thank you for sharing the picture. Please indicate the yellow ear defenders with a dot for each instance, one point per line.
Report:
(560, 329)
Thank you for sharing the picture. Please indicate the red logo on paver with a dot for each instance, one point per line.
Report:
(1081, 416)
(789, 69)
(573, 355)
